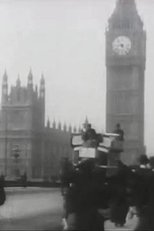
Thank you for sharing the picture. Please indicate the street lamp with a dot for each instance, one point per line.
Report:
(6, 141)
(16, 155)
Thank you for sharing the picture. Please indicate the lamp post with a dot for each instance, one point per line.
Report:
(26, 160)
(16, 155)
(5, 141)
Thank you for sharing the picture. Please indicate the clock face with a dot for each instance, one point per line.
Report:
(121, 45)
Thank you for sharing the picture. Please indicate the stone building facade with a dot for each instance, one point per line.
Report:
(125, 64)
(26, 144)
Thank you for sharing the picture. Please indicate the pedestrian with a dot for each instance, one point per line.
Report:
(118, 130)
(143, 161)
(119, 204)
(89, 136)
(83, 199)
(143, 192)
(24, 180)
(2, 190)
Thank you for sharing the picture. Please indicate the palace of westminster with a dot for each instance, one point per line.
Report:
(27, 145)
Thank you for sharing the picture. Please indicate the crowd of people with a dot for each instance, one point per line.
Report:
(91, 197)
(142, 195)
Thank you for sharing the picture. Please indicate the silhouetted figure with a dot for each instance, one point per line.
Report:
(65, 173)
(2, 190)
(119, 131)
(84, 197)
(2, 180)
(143, 161)
(151, 162)
(143, 195)
(119, 203)
(24, 179)
(89, 136)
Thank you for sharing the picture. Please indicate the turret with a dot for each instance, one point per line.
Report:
(30, 79)
(36, 91)
(86, 122)
(42, 98)
(70, 128)
(5, 88)
(42, 87)
(74, 129)
(30, 87)
(18, 90)
(18, 82)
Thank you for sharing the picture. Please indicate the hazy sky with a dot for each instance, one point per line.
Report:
(65, 39)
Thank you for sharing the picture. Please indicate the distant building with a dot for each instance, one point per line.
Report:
(125, 63)
(26, 144)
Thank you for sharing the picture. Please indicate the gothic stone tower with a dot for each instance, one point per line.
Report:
(125, 64)
(21, 128)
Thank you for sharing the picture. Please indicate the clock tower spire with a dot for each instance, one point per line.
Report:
(125, 63)
(125, 16)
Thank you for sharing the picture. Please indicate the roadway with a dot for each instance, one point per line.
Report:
(31, 209)
(38, 209)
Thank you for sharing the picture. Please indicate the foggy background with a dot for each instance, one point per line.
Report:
(65, 40)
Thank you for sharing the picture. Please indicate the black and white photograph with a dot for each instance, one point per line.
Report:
(76, 115)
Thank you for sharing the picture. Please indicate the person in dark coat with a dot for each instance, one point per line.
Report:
(119, 204)
(89, 136)
(118, 130)
(2, 190)
(146, 208)
(24, 180)
(84, 197)
(142, 192)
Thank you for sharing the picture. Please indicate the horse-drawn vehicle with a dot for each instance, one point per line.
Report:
(105, 150)
(98, 186)
(85, 181)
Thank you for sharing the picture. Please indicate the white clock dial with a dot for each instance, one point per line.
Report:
(121, 45)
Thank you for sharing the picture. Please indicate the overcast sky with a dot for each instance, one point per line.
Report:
(65, 40)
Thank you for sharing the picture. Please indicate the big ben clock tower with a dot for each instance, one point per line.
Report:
(125, 64)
